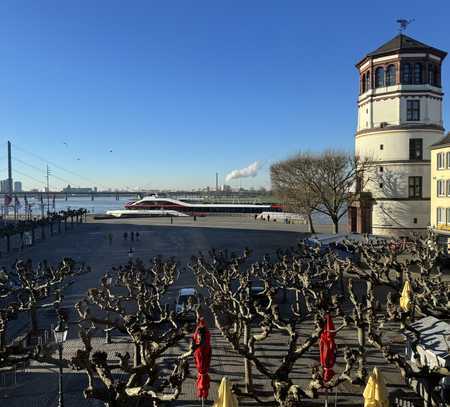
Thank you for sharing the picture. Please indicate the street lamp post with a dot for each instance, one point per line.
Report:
(60, 338)
(108, 328)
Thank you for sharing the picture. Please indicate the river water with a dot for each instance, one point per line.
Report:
(99, 205)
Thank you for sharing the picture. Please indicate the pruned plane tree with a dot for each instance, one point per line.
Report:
(246, 301)
(25, 290)
(131, 303)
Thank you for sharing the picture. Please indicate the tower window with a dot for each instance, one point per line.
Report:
(431, 75)
(367, 80)
(415, 220)
(379, 77)
(381, 185)
(415, 187)
(381, 146)
(381, 169)
(413, 110)
(415, 149)
(417, 73)
(406, 73)
(390, 75)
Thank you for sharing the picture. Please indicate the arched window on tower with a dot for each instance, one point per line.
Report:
(390, 75)
(418, 73)
(406, 73)
(431, 75)
(363, 84)
(379, 77)
(367, 80)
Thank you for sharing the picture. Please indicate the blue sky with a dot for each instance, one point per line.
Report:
(181, 89)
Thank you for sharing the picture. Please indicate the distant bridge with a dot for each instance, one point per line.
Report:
(247, 196)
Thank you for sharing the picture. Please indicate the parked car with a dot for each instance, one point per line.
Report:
(186, 302)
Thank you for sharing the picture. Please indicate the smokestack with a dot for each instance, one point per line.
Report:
(217, 181)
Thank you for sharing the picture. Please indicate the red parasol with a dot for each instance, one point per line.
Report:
(327, 349)
(202, 357)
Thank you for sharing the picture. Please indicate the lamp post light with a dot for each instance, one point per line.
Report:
(60, 337)
(108, 328)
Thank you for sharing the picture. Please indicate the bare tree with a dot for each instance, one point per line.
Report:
(26, 290)
(133, 305)
(321, 182)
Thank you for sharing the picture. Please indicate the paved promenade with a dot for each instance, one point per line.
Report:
(37, 385)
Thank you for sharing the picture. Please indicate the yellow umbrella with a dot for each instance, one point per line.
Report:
(376, 394)
(225, 397)
(406, 297)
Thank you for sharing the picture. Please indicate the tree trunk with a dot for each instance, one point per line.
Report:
(137, 355)
(33, 319)
(247, 364)
(310, 224)
(335, 225)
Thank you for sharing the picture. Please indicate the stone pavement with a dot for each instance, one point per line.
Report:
(37, 385)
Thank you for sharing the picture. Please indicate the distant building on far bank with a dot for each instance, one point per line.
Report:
(4, 185)
(440, 188)
(17, 186)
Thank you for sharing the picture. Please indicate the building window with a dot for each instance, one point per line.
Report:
(415, 187)
(381, 169)
(367, 81)
(415, 149)
(431, 75)
(406, 73)
(440, 215)
(418, 73)
(413, 110)
(440, 161)
(415, 220)
(448, 187)
(390, 75)
(381, 147)
(379, 77)
(447, 217)
(448, 159)
(381, 185)
(440, 187)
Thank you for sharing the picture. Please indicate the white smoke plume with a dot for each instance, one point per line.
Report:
(250, 171)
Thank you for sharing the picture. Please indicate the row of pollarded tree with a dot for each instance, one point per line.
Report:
(53, 223)
(360, 292)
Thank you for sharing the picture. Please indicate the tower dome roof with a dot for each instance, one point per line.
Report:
(403, 43)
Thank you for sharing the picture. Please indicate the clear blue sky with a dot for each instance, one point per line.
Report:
(181, 89)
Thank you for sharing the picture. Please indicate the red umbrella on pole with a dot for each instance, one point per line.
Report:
(327, 349)
(202, 358)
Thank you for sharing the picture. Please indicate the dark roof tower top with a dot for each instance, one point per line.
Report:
(403, 44)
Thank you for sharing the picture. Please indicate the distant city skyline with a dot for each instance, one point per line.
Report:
(163, 96)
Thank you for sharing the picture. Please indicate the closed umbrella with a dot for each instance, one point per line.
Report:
(225, 397)
(376, 394)
(327, 349)
(406, 297)
(202, 358)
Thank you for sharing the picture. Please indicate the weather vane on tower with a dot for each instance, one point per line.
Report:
(404, 24)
